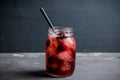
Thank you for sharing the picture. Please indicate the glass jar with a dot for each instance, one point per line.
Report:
(60, 52)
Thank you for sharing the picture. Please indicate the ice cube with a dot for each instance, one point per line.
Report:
(65, 66)
(65, 55)
(51, 49)
(54, 42)
(69, 43)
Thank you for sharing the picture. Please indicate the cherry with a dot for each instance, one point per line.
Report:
(47, 42)
(60, 47)
(52, 70)
(51, 60)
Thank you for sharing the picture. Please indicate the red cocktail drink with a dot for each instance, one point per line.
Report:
(60, 52)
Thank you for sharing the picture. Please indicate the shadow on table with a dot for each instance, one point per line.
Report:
(33, 74)
(41, 73)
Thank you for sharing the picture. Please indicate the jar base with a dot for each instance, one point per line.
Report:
(58, 76)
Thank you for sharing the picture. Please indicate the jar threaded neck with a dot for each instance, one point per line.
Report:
(60, 32)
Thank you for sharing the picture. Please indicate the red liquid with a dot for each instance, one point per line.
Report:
(60, 56)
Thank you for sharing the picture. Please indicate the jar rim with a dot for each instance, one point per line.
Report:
(64, 29)
(61, 31)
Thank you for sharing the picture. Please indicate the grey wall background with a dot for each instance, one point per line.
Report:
(96, 24)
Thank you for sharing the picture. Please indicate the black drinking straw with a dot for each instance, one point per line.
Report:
(47, 18)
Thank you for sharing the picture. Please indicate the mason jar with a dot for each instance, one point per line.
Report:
(60, 52)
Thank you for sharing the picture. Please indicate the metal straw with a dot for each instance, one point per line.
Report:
(47, 18)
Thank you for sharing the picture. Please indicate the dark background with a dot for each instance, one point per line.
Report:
(96, 24)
